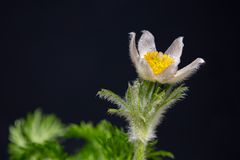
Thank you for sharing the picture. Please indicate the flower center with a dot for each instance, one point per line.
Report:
(158, 61)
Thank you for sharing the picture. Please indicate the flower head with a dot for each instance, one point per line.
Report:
(157, 66)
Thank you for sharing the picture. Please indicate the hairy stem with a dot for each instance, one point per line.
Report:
(139, 151)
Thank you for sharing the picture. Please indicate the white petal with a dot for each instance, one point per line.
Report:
(144, 71)
(175, 49)
(142, 68)
(167, 74)
(186, 72)
(132, 49)
(146, 43)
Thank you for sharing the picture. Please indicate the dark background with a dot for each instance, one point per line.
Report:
(57, 55)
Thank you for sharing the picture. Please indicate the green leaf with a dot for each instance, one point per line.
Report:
(103, 142)
(160, 153)
(146, 104)
(157, 154)
(35, 138)
(112, 97)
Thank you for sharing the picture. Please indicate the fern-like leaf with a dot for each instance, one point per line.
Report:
(146, 104)
(36, 138)
(112, 97)
(103, 142)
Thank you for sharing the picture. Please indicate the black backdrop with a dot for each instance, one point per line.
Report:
(57, 55)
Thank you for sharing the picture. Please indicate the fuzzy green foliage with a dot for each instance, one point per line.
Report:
(38, 137)
(107, 142)
(144, 105)
(152, 153)
(103, 142)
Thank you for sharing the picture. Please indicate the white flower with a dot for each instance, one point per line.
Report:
(155, 66)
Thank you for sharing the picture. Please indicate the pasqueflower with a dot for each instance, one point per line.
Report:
(153, 65)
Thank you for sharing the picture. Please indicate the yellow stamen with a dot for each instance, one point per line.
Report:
(158, 61)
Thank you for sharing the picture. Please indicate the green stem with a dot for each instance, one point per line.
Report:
(139, 152)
